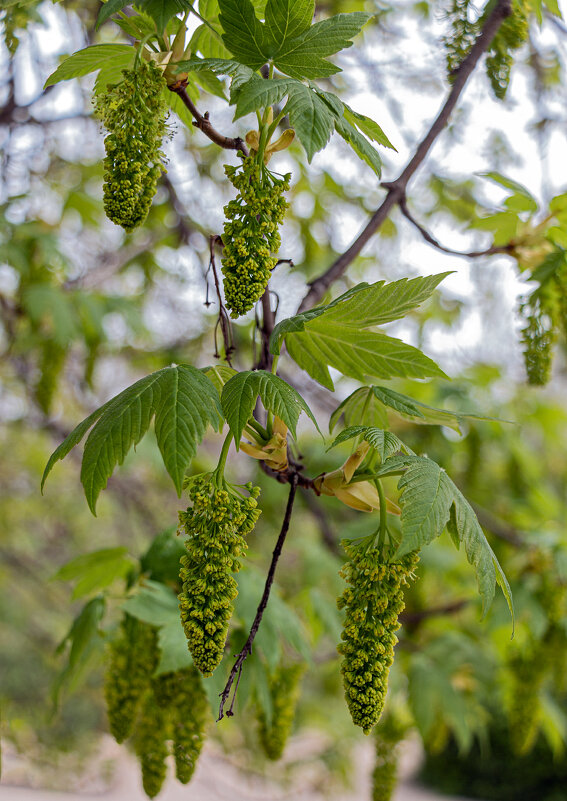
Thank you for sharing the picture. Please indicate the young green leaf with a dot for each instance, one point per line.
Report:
(243, 33)
(362, 405)
(88, 60)
(183, 401)
(430, 501)
(368, 127)
(259, 92)
(305, 56)
(355, 353)
(311, 118)
(108, 9)
(188, 402)
(385, 443)
(286, 19)
(239, 398)
(163, 10)
(359, 144)
(153, 603)
(382, 303)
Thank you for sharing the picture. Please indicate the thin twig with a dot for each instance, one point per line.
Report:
(397, 189)
(268, 320)
(236, 671)
(413, 618)
(471, 254)
(223, 319)
(203, 123)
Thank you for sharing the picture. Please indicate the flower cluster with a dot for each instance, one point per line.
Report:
(284, 692)
(373, 601)
(183, 695)
(134, 112)
(133, 659)
(216, 526)
(251, 232)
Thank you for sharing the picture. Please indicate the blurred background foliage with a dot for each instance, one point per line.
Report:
(86, 309)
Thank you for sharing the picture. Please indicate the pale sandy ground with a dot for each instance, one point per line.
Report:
(215, 779)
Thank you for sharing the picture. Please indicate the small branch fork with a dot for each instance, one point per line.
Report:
(203, 123)
(236, 671)
(223, 321)
(471, 254)
(397, 189)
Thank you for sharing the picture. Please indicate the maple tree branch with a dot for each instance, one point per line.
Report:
(397, 189)
(202, 122)
(471, 254)
(236, 671)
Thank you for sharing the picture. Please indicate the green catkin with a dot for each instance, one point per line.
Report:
(216, 526)
(528, 671)
(150, 740)
(134, 113)
(251, 233)
(385, 773)
(511, 35)
(285, 688)
(373, 601)
(462, 34)
(51, 365)
(133, 659)
(538, 336)
(183, 695)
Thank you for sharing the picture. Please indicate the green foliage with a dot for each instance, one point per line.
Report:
(336, 335)
(375, 405)
(183, 401)
(430, 501)
(240, 393)
(373, 602)
(302, 50)
(510, 36)
(216, 526)
(90, 59)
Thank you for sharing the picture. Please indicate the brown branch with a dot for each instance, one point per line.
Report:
(236, 671)
(471, 254)
(203, 123)
(397, 189)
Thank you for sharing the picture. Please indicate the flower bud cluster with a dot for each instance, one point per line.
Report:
(284, 691)
(182, 693)
(133, 659)
(134, 112)
(538, 335)
(216, 526)
(373, 601)
(251, 232)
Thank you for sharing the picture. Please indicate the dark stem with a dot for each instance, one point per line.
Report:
(471, 254)
(223, 319)
(397, 189)
(268, 320)
(203, 123)
(236, 671)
